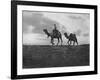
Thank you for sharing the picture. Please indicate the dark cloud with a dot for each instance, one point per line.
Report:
(37, 20)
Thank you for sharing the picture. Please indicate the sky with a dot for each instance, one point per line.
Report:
(34, 22)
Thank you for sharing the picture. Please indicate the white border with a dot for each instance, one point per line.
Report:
(21, 71)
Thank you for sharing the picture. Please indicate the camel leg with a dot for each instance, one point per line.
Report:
(52, 41)
(76, 41)
(70, 42)
(61, 40)
(73, 42)
(58, 41)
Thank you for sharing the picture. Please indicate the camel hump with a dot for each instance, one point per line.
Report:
(73, 36)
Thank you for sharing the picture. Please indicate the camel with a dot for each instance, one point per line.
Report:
(71, 38)
(52, 35)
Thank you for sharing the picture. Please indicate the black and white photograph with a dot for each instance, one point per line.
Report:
(51, 39)
(54, 39)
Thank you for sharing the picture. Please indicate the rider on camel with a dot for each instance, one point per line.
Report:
(55, 31)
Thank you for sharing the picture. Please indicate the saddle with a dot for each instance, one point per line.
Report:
(72, 36)
(55, 32)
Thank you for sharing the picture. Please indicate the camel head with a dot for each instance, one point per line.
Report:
(66, 35)
(46, 32)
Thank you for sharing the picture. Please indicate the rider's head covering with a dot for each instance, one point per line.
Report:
(55, 26)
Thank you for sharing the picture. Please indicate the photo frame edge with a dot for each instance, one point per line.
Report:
(14, 44)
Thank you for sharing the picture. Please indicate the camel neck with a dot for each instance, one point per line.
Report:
(47, 33)
(67, 36)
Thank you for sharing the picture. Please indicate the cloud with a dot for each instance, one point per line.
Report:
(37, 20)
(78, 32)
(80, 21)
(33, 19)
(86, 34)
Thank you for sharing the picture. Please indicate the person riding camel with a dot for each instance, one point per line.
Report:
(55, 31)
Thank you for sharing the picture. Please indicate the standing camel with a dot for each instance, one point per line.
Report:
(52, 35)
(71, 38)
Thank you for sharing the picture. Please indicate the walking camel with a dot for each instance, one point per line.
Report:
(71, 38)
(56, 35)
